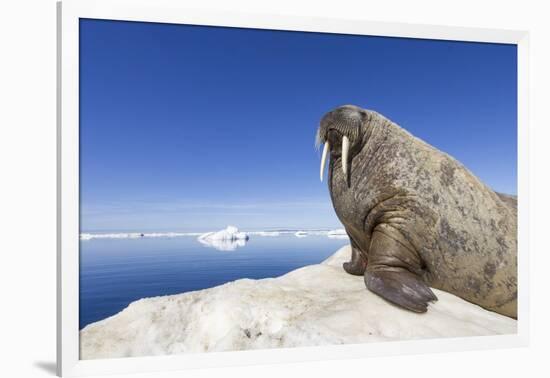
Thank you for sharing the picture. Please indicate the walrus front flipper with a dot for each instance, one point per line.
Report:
(390, 274)
(358, 263)
(400, 287)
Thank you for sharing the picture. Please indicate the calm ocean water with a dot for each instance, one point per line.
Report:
(115, 272)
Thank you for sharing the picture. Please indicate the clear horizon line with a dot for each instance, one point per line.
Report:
(275, 229)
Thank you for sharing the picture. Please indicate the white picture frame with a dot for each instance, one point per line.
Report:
(172, 11)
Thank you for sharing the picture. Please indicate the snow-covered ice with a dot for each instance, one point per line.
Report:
(314, 305)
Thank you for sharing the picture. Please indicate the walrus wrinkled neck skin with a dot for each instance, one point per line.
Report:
(416, 217)
(359, 210)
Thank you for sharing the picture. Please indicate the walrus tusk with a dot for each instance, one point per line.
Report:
(345, 152)
(324, 158)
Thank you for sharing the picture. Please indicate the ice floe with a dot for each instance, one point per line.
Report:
(314, 305)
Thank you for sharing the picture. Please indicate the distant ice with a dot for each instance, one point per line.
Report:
(338, 234)
(227, 239)
(110, 236)
(333, 234)
(311, 306)
(266, 233)
(136, 235)
(230, 233)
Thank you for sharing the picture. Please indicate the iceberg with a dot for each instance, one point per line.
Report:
(301, 234)
(228, 239)
(311, 306)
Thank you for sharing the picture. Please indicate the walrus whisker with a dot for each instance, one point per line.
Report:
(318, 139)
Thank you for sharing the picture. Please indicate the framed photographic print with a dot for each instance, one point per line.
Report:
(250, 188)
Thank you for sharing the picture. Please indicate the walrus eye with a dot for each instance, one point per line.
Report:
(345, 153)
(324, 159)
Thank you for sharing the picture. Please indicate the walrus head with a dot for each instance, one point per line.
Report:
(342, 131)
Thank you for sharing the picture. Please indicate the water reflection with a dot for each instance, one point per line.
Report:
(224, 244)
(117, 271)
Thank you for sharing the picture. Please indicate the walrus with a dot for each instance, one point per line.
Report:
(416, 217)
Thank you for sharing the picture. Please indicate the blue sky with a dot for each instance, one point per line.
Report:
(193, 128)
